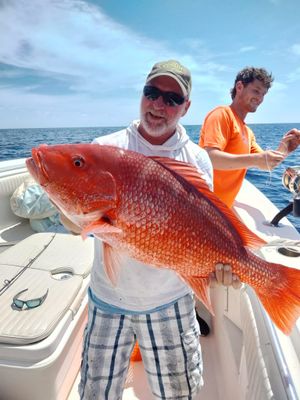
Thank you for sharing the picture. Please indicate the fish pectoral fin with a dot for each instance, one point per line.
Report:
(111, 257)
(200, 287)
(111, 263)
(100, 227)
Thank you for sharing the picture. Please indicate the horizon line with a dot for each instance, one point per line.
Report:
(125, 125)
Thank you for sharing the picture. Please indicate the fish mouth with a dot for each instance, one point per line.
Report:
(37, 168)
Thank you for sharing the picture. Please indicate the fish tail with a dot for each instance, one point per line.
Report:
(136, 353)
(282, 300)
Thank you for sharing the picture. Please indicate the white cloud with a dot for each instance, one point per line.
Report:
(278, 86)
(95, 65)
(72, 38)
(294, 76)
(22, 109)
(246, 49)
(76, 41)
(74, 44)
(295, 49)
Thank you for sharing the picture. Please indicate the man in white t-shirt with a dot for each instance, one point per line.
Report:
(149, 305)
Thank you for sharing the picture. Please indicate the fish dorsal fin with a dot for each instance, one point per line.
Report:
(187, 171)
(188, 174)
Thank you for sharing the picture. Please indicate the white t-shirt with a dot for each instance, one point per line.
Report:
(141, 287)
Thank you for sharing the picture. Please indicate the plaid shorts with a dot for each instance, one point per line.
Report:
(170, 347)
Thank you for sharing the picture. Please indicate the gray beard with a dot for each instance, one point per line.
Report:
(155, 131)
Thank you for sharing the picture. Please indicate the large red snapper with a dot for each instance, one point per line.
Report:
(161, 212)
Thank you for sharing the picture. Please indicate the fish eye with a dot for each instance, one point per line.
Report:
(78, 161)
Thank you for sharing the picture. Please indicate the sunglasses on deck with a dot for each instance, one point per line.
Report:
(32, 303)
(170, 99)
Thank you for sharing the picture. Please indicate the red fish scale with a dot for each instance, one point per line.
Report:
(153, 213)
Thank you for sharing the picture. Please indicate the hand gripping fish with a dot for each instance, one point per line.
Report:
(161, 212)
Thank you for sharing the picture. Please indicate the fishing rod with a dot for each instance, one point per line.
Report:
(8, 282)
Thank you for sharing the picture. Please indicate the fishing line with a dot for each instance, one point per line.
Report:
(8, 282)
(268, 182)
(285, 152)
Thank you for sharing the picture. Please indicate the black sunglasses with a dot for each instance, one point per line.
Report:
(170, 99)
(32, 303)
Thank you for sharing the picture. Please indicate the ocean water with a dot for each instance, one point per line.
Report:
(17, 143)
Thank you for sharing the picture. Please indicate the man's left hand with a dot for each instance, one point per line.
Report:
(290, 141)
(223, 276)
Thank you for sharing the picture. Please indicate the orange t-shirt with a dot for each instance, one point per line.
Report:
(224, 130)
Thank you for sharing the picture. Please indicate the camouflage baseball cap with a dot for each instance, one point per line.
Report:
(176, 71)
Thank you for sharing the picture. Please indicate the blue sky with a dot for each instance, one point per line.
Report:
(67, 63)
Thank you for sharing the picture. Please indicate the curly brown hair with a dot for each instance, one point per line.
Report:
(249, 74)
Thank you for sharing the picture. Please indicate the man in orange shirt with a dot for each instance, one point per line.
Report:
(231, 144)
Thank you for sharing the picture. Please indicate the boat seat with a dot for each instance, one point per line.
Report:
(59, 251)
(57, 262)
